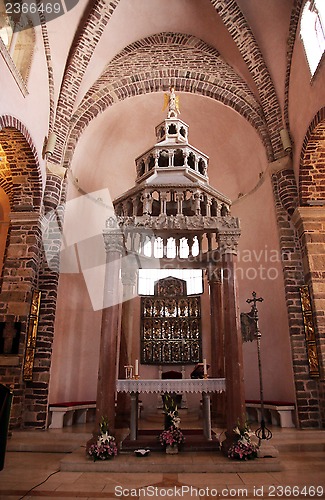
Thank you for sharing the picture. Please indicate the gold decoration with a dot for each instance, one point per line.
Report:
(309, 328)
(171, 101)
(170, 325)
(32, 327)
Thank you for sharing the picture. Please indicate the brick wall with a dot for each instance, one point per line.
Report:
(25, 269)
(307, 391)
(312, 162)
(310, 221)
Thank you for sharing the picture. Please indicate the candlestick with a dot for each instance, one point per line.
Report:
(205, 372)
(128, 371)
(136, 368)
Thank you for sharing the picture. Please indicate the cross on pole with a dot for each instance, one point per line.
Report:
(254, 309)
(262, 432)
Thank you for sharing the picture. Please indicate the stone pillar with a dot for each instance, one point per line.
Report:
(310, 223)
(110, 328)
(218, 401)
(129, 274)
(234, 370)
(163, 203)
(20, 277)
(180, 199)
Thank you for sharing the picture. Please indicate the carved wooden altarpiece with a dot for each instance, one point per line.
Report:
(170, 325)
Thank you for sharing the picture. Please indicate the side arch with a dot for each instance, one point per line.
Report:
(312, 164)
(22, 181)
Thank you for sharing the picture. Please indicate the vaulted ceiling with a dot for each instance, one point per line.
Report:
(228, 60)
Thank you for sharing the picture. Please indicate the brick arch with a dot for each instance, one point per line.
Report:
(83, 47)
(153, 63)
(312, 161)
(23, 186)
(155, 84)
(294, 24)
(242, 35)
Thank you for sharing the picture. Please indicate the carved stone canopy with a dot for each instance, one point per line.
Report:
(173, 199)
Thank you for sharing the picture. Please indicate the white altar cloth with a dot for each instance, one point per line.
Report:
(177, 386)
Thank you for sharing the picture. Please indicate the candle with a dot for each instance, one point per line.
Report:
(205, 367)
(136, 368)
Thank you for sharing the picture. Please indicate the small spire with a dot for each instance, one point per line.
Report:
(172, 101)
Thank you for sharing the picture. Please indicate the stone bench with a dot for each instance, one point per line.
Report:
(65, 414)
(281, 412)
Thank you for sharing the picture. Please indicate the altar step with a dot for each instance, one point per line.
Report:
(50, 440)
(194, 441)
(191, 462)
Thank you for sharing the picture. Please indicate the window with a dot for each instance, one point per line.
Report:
(148, 277)
(17, 42)
(312, 31)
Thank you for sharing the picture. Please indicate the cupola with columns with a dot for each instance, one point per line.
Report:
(172, 194)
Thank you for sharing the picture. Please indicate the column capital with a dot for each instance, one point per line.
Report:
(129, 276)
(113, 236)
(25, 217)
(228, 241)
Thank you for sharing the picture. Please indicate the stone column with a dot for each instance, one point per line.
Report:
(310, 224)
(234, 371)
(110, 328)
(217, 341)
(180, 199)
(129, 274)
(19, 278)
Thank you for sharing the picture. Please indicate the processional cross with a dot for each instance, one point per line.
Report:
(262, 432)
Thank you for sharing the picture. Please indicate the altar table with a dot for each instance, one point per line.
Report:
(176, 386)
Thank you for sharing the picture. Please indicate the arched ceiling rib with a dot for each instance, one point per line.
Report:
(79, 58)
(225, 86)
(152, 64)
(243, 37)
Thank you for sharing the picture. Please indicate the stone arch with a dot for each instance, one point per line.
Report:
(84, 44)
(243, 36)
(22, 183)
(161, 58)
(294, 24)
(312, 165)
(4, 224)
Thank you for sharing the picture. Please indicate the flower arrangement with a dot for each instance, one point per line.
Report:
(172, 435)
(243, 448)
(105, 447)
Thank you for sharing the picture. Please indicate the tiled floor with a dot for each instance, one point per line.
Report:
(37, 475)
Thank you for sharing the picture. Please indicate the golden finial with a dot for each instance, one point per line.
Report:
(172, 101)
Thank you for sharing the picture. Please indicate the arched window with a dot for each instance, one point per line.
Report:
(17, 42)
(312, 31)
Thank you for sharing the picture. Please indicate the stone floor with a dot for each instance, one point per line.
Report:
(37, 474)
